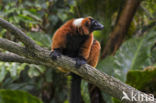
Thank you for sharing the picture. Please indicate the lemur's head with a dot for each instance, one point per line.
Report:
(87, 25)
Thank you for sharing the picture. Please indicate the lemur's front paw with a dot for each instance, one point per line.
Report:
(80, 61)
(54, 54)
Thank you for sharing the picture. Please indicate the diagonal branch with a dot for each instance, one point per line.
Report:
(11, 57)
(12, 47)
(18, 34)
(22, 51)
(108, 84)
(16, 48)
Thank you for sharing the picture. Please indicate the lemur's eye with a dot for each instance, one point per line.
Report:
(95, 23)
(87, 24)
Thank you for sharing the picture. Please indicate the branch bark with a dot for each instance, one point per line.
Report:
(12, 47)
(18, 34)
(11, 57)
(109, 84)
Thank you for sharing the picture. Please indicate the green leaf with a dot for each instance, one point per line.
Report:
(32, 15)
(2, 72)
(143, 80)
(133, 54)
(40, 38)
(10, 96)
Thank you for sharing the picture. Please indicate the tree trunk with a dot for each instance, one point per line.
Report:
(121, 28)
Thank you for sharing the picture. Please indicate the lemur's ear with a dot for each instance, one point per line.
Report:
(90, 17)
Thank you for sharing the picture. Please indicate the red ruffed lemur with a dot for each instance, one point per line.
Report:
(75, 39)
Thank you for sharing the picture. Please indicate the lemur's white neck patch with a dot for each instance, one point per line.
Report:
(77, 22)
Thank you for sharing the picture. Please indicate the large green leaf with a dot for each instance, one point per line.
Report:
(9, 96)
(133, 54)
(41, 39)
(148, 84)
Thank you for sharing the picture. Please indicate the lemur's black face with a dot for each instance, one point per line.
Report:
(95, 25)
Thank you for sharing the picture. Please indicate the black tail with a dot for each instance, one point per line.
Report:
(75, 94)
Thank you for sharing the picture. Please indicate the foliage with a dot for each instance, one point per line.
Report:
(43, 40)
(13, 68)
(9, 96)
(37, 15)
(148, 84)
(143, 80)
(133, 54)
(40, 18)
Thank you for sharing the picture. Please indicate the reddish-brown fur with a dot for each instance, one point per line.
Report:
(94, 54)
(90, 50)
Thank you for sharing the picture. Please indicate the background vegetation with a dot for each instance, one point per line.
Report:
(134, 62)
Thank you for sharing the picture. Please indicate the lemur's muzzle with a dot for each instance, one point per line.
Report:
(96, 25)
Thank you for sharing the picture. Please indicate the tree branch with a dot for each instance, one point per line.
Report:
(109, 84)
(22, 51)
(18, 34)
(12, 47)
(11, 57)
